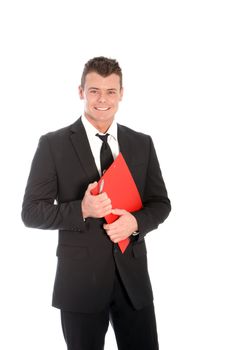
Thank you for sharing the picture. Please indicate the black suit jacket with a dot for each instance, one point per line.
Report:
(61, 170)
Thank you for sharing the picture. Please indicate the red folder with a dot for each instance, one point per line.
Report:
(120, 187)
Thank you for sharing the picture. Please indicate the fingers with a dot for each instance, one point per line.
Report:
(117, 236)
(90, 187)
(101, 206)
(122, 227)
(115, 231)
(102, 197)
(96, 206)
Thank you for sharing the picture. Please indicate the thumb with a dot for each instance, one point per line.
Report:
(118, 212)
(91, 186)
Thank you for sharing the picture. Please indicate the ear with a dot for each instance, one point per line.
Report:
(81, 92)
(121, 93)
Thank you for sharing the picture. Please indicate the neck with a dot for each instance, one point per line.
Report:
(102, 129)
(99, 125)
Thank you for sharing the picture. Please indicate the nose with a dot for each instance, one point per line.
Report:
(102, 97)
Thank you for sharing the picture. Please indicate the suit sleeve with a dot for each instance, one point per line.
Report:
(156, 204)
(39, 209)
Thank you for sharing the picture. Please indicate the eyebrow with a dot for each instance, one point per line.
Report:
(95, 88)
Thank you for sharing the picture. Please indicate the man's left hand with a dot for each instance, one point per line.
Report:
(123, 227)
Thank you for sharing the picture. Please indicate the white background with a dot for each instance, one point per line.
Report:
(177, 59)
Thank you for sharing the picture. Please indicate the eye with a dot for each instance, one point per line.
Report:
(111, 92)
(93, 91)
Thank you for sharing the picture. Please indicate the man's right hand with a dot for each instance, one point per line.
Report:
(95, 206)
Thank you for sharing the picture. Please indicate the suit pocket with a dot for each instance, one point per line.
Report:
(72, 252)
(139, 249)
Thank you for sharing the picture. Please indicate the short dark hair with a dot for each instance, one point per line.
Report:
(103, 66)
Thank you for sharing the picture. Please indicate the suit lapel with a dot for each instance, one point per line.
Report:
(124, 145)
(82, 148)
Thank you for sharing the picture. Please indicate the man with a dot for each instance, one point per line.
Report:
(95, 282)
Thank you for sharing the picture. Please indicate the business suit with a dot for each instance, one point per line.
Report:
(62, 168)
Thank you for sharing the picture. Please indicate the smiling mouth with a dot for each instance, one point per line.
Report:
(102, 109)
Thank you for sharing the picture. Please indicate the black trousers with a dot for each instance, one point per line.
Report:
(134, 329)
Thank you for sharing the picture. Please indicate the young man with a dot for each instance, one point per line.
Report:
(95, 282)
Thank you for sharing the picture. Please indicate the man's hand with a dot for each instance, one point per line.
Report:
(95, 206)
(123, 227)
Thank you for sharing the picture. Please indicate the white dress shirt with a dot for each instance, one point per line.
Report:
(96, 143)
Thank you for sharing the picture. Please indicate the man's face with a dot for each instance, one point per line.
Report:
(101, 97)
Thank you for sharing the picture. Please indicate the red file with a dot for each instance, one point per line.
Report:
(120, 187)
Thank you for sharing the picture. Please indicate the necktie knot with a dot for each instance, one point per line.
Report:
(103, 138)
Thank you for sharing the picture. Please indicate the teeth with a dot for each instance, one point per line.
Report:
(102, 109)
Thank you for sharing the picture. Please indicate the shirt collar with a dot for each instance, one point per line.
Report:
(92, 131)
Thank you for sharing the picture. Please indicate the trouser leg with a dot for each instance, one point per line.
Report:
(134, 329)
(84, 331)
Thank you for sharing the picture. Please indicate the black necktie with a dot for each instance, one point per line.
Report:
(106, 157)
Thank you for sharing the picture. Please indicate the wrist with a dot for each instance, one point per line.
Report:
(84, 212)
(135, 226)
